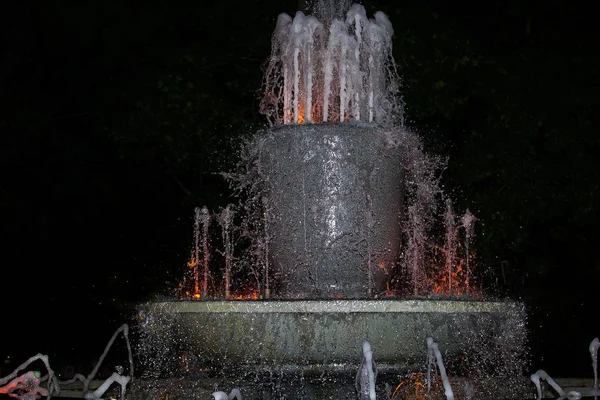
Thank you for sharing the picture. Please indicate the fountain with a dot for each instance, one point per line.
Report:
(340, 203)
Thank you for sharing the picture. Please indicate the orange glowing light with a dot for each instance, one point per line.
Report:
(197, 295)
(414, 387)
(302, 115)
(415, 381)
(249, 296)
(453, 283)
(388, 291)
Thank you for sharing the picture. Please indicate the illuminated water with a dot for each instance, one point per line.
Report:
(337, 200)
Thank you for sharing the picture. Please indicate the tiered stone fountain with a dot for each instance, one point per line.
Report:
(331, 182)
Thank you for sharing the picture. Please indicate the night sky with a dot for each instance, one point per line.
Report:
(116, 117)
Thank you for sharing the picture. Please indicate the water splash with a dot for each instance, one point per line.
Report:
(205, 221)
(265, 247)
(251, 236)
(366, 375)
(423, 189)
(328, 10)
(541, 374)
(450, 243)
(570, 392)
(234, 394)
(225, 220)
(327, 68)
(28, 385)
(456, 274)
(434, 357)
(195, 258)
(123, 381)
(468, 223)
(594, 345)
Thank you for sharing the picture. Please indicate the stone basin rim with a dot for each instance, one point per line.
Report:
(332, 306)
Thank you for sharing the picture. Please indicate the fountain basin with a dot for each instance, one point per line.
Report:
(328, 333)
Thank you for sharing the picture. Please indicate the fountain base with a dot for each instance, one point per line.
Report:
(326, 335)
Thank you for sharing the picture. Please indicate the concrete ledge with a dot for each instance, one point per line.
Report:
(335, 306)
(329, 333)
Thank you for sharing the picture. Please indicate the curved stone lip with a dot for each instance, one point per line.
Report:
(334, 306)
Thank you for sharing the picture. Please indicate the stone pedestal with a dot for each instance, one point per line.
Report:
(334, 195)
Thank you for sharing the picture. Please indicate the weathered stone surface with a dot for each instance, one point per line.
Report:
(322, 333)
(334, 196)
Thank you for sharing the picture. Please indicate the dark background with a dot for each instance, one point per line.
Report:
(116, 115)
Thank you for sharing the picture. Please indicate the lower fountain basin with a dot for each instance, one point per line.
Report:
(329, 333)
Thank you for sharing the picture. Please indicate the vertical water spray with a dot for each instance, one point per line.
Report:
(456, 274)
(423, 190)
(414, 254)
(328, 10)
(267, 292)
(468, 223)
(334, 66)
(450, 243)
(594, 345)
(195, 259)
(205, 221)
(366, 375)
(434, 356)
(537, 377)
(225, 220)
